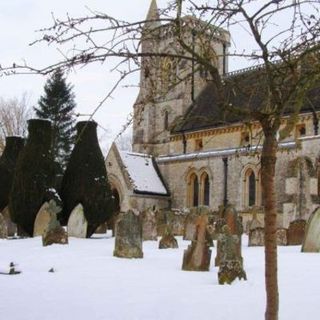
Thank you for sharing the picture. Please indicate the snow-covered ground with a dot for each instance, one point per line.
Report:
(90, 284)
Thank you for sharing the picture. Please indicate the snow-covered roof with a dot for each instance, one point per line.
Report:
(143, 174)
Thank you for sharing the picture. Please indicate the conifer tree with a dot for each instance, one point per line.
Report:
(57, 104)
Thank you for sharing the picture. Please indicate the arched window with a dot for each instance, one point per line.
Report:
(166, 120)
(252, 189)
(205, 189)
(195, 200)
(193, 191)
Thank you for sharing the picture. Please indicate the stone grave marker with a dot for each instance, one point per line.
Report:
(128, 242)
(11, 226)
(77, 223)
(149, 226)
(176, 220)
(102, 229)
(256, 237)
(296, 232)
(190, 228)
(198, 255)
(168, 241)
(229, 216)
(311, 242)
(282, 237)
(47, 214)
(54, 235)
(3, 228)
(230, 266)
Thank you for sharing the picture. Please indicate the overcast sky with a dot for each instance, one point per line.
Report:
(19, 19)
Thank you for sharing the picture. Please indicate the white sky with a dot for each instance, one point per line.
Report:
(19, 19)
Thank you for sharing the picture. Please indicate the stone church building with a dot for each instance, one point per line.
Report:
(187, 152)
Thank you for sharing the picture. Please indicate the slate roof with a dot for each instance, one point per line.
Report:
(242, 90)
(144, 174)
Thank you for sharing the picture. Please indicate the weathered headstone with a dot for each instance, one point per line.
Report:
(149, 226)
(229, 217)
(190, 228)
(311, 242)
(128, 242)
(11, 226)
(176, 220)
(256, 237)
(198, 255)
(77, 224)
(254, 222)
(168, 241)
(55, 235)
(46, 215)
(230, 266)
(282, 237)
(296, 232)
(102, 229)
(3, 228)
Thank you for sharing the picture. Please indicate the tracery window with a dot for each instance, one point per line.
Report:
(251, 188)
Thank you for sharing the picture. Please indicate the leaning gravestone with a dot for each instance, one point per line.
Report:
(3, 228)
(11, 226)
(197, 256)
(77, 223)
(282, 237)
(46, 215)
(168, 241)
(256, 237)
(311, 241)
(230, 266)
(296, 232)
(149, 226)
(128, 242)
(229, 216)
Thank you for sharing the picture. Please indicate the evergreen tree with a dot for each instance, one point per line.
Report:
(57, 104)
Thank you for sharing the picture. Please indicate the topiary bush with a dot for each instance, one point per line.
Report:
(34, 176)
(85, 180)
(8, 163)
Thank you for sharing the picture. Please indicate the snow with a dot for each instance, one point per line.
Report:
(142, 172)
(89, 283)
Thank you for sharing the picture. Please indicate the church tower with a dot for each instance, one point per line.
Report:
(169, 84)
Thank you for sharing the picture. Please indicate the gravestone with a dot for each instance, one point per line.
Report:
(229, 217)
(11, 226)
(46, 215)
(149, 226)
(296, 232)
(176, 220)
(3, 228)
(102, 229)
(230, 266)
(190, 228)
(282, 237)
(311, 242)
(128, 242)
(56, 235)
(197, 256)
(254, 222)
(77, 224)
(256, 237)
(161, 218)
(168, 241)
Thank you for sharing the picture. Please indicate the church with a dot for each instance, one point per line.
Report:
(188, 153)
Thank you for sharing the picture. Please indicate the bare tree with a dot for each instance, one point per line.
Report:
(289, 54)
(14, 114)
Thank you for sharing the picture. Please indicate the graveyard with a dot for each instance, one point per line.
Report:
(88, 282)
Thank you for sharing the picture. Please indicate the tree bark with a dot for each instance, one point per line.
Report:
(268, 162)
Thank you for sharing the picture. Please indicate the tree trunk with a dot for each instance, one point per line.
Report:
(268, 162)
